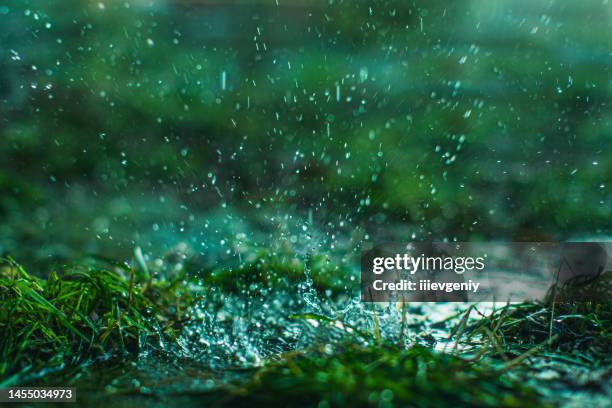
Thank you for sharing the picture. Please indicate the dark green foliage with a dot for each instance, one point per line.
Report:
(267, 270)
(101, 309)
(379, 376)
(77, 314)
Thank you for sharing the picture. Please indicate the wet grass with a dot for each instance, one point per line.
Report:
(575, 331)
(97, 311)
(76, 315)
(379, 376)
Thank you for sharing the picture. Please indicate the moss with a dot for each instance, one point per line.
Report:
(266, 270)
(379, 376)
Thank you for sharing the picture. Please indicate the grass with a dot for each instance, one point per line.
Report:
(100, 309)
(378, 376)
(574, 330)
(81, 313)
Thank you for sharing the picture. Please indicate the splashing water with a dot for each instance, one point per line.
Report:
(258, 320)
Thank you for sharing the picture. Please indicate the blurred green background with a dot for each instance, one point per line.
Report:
(149, 123)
